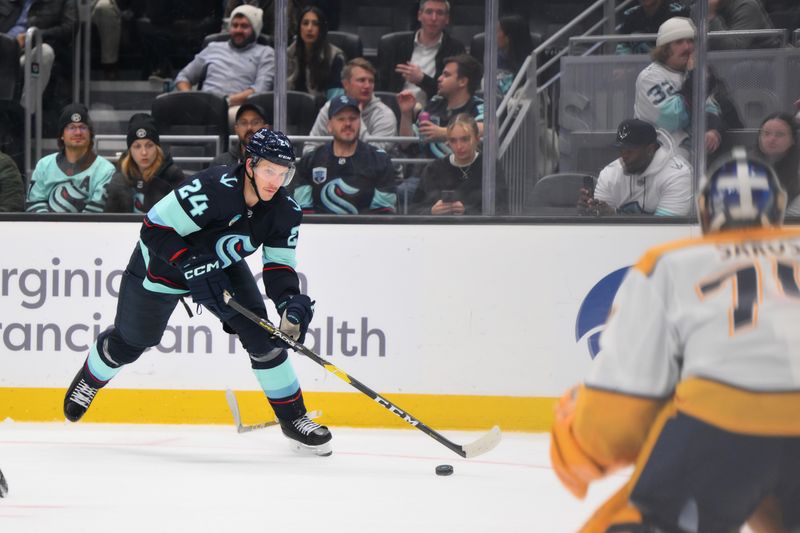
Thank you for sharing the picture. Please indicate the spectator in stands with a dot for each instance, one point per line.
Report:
(107, 19)
(729, 15)
(658, 88)
(646, 17)
(377, 119)
(647, 178)
(146, 173)
(453, 185)
(250, 118)
(777, 145)
(12, 188)
(417, 62)
(235, 68)
(458, 82)
(514, 45)
(345, 176)
(175, 26)
(74, 179)
(57, 21)
(314, 65)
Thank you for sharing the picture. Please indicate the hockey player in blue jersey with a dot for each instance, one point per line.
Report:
(194, 241)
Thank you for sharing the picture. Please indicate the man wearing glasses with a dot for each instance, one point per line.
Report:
(74, 179)
(249, 119)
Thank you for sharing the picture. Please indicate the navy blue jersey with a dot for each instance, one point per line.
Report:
(441, 115)
(207, 213)
(361, 183)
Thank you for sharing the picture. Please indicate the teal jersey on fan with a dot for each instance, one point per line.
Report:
(52, 191)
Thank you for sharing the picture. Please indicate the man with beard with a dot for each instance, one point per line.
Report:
(74, 179)
(249, 119)
(345, 176)
(235, 68)
(647, 178)
(658, 88)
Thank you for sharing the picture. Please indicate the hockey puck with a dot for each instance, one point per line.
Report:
(444, 470)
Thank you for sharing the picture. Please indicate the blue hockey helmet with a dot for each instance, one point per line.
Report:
(741, 191)
(273, 146)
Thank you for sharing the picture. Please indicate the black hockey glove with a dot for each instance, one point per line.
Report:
(296, 314)
(207, 281)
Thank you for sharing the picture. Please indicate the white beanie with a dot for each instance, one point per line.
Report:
(254, 14)
(675, 29)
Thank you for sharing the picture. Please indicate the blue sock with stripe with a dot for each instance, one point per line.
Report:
(282, 389)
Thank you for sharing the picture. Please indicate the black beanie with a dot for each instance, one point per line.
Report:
(142, 126)
(73, 113)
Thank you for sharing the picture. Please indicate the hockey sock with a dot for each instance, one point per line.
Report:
(282, 389)
(98, 368)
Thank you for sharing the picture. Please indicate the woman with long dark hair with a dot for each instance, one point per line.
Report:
(777, 145)
(315, 65)
(514, 45)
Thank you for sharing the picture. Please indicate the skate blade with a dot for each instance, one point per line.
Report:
(323, 450)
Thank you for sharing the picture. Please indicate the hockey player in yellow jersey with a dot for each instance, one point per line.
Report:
(697, 383)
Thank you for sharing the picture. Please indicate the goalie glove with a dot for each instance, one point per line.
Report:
(296, 314)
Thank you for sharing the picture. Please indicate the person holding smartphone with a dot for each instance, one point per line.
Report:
(453, 185)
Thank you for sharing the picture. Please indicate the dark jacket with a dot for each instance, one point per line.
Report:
(12, 191)
(9, 13)
(231, 158)
(57, 19)
(126, 194)
(741, 15)
(441, 175)
(389, 80)
(635, 20)
(788, 170)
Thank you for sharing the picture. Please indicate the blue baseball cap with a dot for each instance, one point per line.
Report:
(342, 102)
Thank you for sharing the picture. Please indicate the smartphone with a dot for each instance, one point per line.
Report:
(448, 196)
(588, 184)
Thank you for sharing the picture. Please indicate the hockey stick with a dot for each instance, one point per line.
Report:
(480, 446)
(237, 419)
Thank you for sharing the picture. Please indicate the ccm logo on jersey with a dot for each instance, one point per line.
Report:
(594, 310)
(201, 270)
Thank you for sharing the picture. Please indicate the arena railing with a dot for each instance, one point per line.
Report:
(33, 99)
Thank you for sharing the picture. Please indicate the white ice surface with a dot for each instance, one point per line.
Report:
(149, 479)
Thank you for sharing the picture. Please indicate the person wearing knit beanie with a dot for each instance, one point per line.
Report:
(145, 172)
(675, 29)
(142, 126)
(236, 68)
(254, 15)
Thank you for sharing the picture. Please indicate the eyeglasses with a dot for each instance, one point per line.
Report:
(257, 123)
(77, 127)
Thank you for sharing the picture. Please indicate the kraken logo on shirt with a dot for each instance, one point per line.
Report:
(233, 248)
(67, 198)
(334, 197)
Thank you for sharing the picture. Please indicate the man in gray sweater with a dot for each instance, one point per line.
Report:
(728, 15)
(377, 119)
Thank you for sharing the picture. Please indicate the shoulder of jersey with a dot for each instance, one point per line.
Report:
(288, 206)
(652, 257)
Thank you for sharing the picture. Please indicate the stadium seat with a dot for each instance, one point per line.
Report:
(350, 43)
(390, 99)
(388, 41)
(192, 113)
(301, 110)
(558, 190)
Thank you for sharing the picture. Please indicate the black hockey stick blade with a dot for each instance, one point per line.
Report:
(233, 404)
(480, 446)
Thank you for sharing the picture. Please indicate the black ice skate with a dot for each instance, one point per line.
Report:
(3, 486)
(306, 436)
(80, 394)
